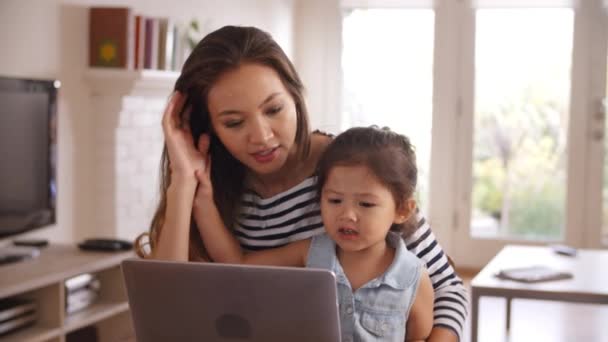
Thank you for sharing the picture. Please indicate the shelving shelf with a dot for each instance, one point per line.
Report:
(35, 333)
(96, 312)
(42, 280)
(112, 81)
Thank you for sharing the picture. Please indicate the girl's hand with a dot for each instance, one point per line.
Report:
(184, 157)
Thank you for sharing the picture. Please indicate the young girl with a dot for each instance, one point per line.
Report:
(239, 103)
(366, 181)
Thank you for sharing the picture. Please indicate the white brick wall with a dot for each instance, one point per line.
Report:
(128, 142)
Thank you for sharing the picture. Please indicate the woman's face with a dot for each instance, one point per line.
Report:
(254, 116)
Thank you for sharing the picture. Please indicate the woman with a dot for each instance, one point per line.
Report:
(238, 110)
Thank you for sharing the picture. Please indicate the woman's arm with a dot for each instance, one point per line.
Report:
(184, 160)
(223, 247)
(219, 241)
(172, 242)
(221, 244)
(450, 307)
(420, 320)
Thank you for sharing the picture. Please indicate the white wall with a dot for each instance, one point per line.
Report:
(48, 39)
(317, 54)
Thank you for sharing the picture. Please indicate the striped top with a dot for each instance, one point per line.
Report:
(295, 215)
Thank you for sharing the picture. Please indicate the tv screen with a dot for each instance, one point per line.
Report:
(28, 147)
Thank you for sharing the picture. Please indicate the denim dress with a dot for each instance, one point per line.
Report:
(378, 310)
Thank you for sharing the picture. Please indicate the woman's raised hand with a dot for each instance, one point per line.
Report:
(184, 157)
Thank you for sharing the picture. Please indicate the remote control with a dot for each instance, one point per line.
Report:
(105, 245)
(31, 242)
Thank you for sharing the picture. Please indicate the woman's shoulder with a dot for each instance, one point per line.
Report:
(321, 138)
(323, 133)
(318, 143)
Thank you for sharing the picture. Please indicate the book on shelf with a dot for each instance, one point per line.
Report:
(151, 43)
(163, 24)
(77, 282)
(140, 36)
(167, 36)
(16, 313)
(169, 50)
(83, 295)
(14, 307)
(81, 291)
(85, 280)
(177, 46)
(80, 299)
(111, 37)
(118, 38)
(17, 322)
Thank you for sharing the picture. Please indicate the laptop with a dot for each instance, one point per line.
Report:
(178, 301)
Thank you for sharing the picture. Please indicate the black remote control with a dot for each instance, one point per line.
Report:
(105, 245)
(31, 242)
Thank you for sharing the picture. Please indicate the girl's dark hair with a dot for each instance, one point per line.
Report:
(388, 155)
(217, 53)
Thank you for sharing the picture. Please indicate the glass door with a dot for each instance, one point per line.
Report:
(514, 132)
(522, 89)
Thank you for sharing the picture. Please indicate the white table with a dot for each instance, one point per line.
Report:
(589, 284)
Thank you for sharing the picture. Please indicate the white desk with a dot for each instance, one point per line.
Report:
(589, 284)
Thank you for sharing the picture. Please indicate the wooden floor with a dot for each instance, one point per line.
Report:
(539, 321)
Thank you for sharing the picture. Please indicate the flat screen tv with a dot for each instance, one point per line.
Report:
(28, 154)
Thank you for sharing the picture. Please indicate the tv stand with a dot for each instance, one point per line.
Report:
(42, 280)
(12, 254)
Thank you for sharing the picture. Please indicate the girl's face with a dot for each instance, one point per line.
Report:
(357, 209)
(254, 116)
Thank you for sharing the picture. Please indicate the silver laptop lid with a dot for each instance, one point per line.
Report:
(176, 301)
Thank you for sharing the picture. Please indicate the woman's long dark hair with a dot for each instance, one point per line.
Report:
(217, 53)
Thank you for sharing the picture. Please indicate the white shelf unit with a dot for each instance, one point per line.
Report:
(42, 279)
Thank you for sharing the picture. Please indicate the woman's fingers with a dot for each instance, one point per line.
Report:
(208, 167)
(200, 175)
(185, 121)
(171, 115)
(203, 176)
(203, 144)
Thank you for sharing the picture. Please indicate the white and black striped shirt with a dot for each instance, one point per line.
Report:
(295, 214)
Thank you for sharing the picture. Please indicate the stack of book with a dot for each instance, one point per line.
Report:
(16, 313)
(120, 39)
(80, 292)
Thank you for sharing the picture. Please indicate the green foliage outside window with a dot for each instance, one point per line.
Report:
(518, 169)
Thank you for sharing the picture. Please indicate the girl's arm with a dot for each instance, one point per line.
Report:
(420, 320)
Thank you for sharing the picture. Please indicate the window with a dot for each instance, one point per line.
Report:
(605, 177)
(504, 91)
(522, 88)
(387, 63)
